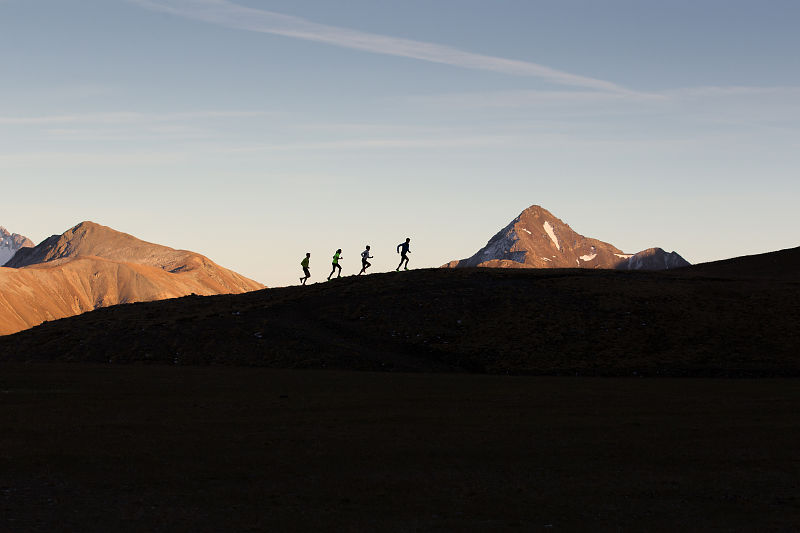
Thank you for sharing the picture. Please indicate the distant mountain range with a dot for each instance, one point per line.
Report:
(10, 243)
(537, 239)
(92, 266)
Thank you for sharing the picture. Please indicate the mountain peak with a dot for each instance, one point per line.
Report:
(538, 239)
(654, 259)
(535, 209)
(88, 224)
(91, 265)
(10, 244)
(92, 230)
(92, 239)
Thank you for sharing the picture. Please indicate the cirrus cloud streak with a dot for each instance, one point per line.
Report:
(228, 14)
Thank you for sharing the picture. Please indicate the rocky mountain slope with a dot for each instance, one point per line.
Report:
(538, 239)
(92, 266)
(10, 243)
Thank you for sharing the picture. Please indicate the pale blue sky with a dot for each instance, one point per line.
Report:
(254, 131)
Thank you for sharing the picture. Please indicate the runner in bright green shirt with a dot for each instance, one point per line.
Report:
(336, 257)
(304, 264)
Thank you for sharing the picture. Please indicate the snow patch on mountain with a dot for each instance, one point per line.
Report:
(549, 229)
(588, 257)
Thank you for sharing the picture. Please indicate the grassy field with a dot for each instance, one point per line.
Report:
(171, 448)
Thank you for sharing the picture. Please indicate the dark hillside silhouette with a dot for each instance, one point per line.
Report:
(780, 265)
(520, 321)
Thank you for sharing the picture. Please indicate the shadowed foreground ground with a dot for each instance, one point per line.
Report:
(497, 321)
(151, 448)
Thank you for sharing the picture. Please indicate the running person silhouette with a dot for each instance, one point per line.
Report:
(364, 263)
(336, 257)
(402, 249)
(304, 264)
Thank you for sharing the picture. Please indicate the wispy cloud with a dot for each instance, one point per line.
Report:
(225, 13)
(125, 117)
(735, 104)
(148, 135)
(735, 90)
(377, 144)
(199, 153)
(61, 160)
(526, 98)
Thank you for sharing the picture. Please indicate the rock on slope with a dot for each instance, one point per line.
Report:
(10, 243)
(92, 266)
(537, 239)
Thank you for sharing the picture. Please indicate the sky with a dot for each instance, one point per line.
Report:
(253, 131)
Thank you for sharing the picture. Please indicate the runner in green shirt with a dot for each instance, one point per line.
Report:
(336, 257)
(304, 264)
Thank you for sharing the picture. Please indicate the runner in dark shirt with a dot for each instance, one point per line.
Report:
(402, 249)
